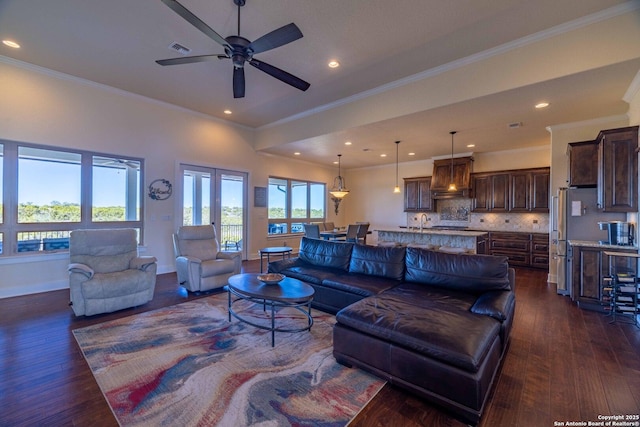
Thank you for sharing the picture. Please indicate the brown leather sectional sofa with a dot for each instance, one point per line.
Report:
(434, 323)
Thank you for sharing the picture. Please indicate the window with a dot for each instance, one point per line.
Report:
(46, 192)
(292, 203)
(115, 190)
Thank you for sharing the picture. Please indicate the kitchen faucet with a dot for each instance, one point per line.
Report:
(423, 219)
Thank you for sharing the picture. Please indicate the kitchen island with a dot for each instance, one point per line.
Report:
(445, 239)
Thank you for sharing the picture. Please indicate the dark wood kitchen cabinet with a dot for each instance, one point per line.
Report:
(540, 189)
(540, 250)
(417, 194)
(529, 190)
(583, 164)
(490, 192)
(515, 246)
(618, 170)
(522, 249)
(588, 267)
(524, 190)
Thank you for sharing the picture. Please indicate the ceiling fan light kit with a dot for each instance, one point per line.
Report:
(240, 50)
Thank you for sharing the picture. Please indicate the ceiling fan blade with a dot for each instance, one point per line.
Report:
(195, 21)
(238, 82)
(189, 59)
(279, 74)
(276, 38)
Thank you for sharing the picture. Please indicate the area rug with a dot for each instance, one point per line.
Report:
(188, 365)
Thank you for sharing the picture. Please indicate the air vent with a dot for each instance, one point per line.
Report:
(179, 48)
(515, 125)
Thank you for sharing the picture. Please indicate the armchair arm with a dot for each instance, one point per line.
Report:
(236, 256)
(229, 254)
(83, 269)
(188, 269)
(142, 262)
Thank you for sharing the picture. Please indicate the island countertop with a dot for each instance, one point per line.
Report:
(435, 231)
(435, 238)
(596, 244)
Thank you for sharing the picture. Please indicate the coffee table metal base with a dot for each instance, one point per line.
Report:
(303, 307)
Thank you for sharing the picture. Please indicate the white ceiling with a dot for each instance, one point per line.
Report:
(378, 42)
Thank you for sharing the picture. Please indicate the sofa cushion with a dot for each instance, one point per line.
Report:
(325, 253)
(378, 261)
(462, 272)
(360, 284)
(309, 273)
(430, 297)
(454, 337)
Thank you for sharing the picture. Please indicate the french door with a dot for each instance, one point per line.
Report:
(216, 196)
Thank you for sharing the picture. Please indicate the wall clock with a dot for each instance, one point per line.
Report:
(160, 189)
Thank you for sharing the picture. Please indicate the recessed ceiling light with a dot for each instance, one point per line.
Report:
(412, 154)
(335, 162)
(542, 105)
(228, 112)
(383, 155)
(297, 153)
(347, 143)
(333, 64)
(471, 145)
(11, 43)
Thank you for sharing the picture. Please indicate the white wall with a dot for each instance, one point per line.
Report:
(40, 106)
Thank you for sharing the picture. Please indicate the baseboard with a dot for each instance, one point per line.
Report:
(34, 288)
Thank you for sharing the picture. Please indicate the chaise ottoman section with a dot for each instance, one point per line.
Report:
(448, 356)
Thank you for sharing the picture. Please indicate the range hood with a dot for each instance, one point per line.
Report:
(462, 168)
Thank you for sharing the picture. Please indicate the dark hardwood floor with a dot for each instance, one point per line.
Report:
(564, 364)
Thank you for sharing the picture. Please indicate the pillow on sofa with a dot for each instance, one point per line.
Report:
(461, 272)
(378, 261)
(325, 253)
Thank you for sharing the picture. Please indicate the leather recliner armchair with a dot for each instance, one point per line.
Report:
(200, 264)
(105, 272)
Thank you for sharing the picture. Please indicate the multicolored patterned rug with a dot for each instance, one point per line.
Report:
(188, 365)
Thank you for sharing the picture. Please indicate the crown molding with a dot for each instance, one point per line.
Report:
(583, 123)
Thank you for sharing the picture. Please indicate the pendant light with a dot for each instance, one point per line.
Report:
(452, 184)
(339, 189)
(396, 190)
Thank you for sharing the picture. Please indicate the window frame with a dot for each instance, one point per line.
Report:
(10, 227)
(288, 219)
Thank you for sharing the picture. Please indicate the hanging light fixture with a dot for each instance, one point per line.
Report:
(339, 189)
(397, 187)
(452, 184)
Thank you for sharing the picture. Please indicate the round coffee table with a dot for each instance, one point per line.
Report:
(289, 292)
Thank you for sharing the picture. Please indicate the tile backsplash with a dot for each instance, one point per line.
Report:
(457, 212)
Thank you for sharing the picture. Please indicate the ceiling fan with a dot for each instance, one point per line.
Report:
(240, 50)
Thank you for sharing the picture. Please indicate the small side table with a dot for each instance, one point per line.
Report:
(276, 250)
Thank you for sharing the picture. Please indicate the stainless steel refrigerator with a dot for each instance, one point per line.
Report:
(575, 216)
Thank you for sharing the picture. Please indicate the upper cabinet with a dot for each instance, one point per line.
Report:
(610, 163)
(417, 194)
(490, 192)
(583, 164)
(618, 170)
(525, 190)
